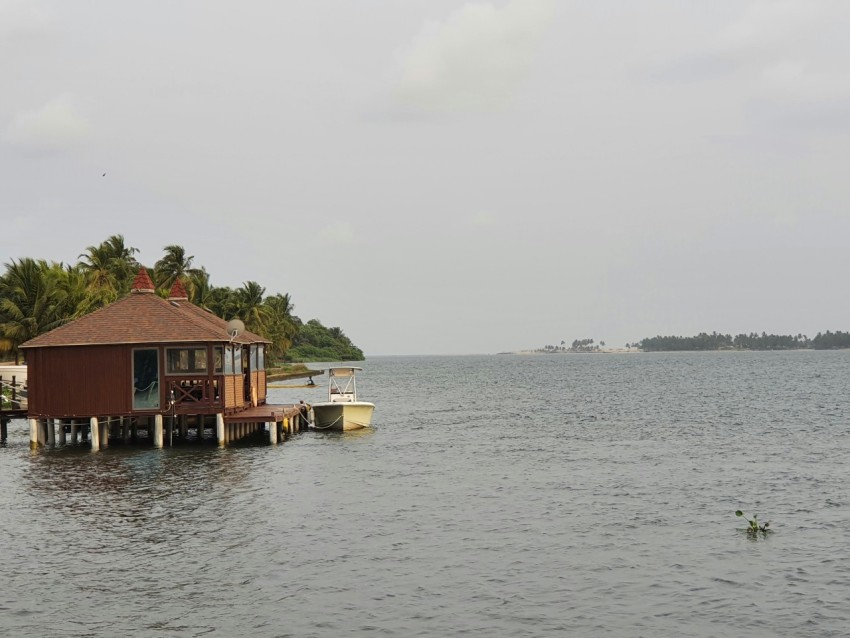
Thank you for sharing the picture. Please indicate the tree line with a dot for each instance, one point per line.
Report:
(37, 296)
(578, 345)
(752, 341)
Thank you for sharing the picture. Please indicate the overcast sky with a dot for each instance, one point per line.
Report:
(440, 177)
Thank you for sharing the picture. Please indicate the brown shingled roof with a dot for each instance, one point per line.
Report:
(178, 291)
(142, 317)
(143, 282)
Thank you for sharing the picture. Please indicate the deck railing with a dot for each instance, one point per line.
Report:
(13, 394)
(194, 392)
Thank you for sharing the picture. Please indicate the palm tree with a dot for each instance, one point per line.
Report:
(29, 302)
(109, 269)
(282, 326)
(223, 302)
(250, 308)
(176, 264)
(72, 286)
(199, 289)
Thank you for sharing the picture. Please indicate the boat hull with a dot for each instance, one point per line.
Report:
(338, 417)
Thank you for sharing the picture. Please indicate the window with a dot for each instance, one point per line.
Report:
(228, 360)
(186, 360)
(255, 362)
(261, 357)
(237, 360)
(219, 359)
(145, 379)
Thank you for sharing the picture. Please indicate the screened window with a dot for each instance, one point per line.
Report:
(237, 360)
(228, 360)
(255, 357)
(186, 360)
(261, 357)
(145, 379)
(219, 359)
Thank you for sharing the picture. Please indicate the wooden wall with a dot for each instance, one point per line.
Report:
(80, 381)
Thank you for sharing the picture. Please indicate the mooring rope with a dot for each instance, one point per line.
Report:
(325, 427)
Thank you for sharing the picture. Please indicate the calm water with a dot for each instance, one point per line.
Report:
(586, 495)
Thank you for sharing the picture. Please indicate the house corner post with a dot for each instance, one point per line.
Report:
(157, 432)
(94, 433)
(219, 428)
(33, 433)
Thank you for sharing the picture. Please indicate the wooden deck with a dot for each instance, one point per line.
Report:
(268, 413)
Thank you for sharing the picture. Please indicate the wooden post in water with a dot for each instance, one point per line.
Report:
(75, 432)
(4, 431)
(157, 432)
(94, 433)
(219, 428)
(62, 438)
(104, 433)
(51, 432)
(125, 429)
(33, 433)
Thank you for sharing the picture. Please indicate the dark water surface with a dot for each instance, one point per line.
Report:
(585, 495)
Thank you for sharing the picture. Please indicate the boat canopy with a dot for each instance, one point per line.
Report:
(342, 372)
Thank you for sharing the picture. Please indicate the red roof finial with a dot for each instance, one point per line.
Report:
(142, 282)
(178, 291)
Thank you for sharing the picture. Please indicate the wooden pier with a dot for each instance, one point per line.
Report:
(276, 422)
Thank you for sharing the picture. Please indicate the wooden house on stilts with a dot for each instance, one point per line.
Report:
(164, 366)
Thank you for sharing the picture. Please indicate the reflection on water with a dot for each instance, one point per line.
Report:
(564, 495)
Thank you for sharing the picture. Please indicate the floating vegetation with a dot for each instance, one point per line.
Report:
(753, 526)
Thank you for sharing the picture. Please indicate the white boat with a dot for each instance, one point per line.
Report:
(342, 410)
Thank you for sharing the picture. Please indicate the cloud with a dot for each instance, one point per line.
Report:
(22, 19)
(339, 234)
(475, 59)
(56, 126)
(791, 94)
(481, 220)
(775, 62)
(767, 23)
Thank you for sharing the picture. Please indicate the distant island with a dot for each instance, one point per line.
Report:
(703, 341)
(715, 341)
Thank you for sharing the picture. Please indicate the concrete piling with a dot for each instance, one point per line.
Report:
(94, 428)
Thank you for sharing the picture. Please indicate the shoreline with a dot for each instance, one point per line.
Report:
(638, 351)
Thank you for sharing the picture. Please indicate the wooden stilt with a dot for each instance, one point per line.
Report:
(4, 430)
(273, 433)
(75, 432)
(219, 429)
(33, 432)
(104, 433)
(62, 438)
(94, 428)
(157, 434)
